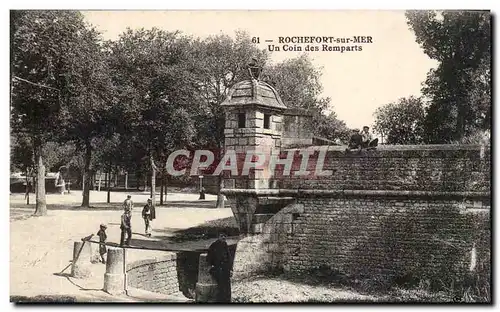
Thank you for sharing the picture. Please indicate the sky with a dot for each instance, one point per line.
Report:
(358, 82)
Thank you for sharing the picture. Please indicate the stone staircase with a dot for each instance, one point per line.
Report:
(267, 207)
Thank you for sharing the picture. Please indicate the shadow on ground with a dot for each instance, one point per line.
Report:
(207, 230)
(210, 204)
(67, 276)
(94, 207)
(207, 204)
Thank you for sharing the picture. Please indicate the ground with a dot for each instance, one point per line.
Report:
(42, 248)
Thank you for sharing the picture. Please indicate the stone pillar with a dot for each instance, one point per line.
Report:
(81, 260)
(206, 287)
(114, 278)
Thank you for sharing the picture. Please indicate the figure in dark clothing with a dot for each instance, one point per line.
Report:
(102, 240)
(126, 228)
(148, 214)
(220, 261)
(367, 140)
(355, 141)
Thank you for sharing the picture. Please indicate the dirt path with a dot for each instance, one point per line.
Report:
(42, 246)
(273, 289)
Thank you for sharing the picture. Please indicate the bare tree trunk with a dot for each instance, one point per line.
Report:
(87, 175)
(151, 191)
(220, 197)
(161, 189)
(166, 184)
(41, 202)
(27, 187)
(153, 180)
(108, 199)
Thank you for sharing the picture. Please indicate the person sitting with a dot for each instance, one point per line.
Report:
(367, 140)
(355, 141)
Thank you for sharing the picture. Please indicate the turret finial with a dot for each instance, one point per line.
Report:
(254, 69)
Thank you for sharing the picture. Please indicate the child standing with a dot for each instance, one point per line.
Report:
(126, 228)
(102, 240)
(148, 214)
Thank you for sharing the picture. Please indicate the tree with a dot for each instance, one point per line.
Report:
(401, 122)
(40, 41)
(459, 88)
(21, 157)
(21, 152)
(331, 128)
(222, 62)
(298, 83)
(153, 72)
(89, 110)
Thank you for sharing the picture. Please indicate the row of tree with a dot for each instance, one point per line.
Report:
(456, 101)
(129, 102)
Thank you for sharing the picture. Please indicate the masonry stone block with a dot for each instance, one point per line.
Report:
(114, 278)
(206, 287)
(81, 265)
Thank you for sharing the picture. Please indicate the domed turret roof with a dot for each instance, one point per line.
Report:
(253, 92)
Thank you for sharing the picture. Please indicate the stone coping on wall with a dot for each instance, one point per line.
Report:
(138, 263)
(426, 147)
(401, 151)
(357, 193)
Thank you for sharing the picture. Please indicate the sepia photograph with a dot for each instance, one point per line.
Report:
(250, 156)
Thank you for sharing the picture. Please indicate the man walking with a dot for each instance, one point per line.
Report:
(128, 204)
(126, 228)
(220, 261)
(148, 214)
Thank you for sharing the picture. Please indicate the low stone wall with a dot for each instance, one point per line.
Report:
(264, 251)
(388, 238)
(383, 238)
(446, 168)
(156, 275)
(390, 214)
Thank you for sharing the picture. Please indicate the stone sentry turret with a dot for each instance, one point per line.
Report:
(253, 131)
(254, 122)
(258, 127)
